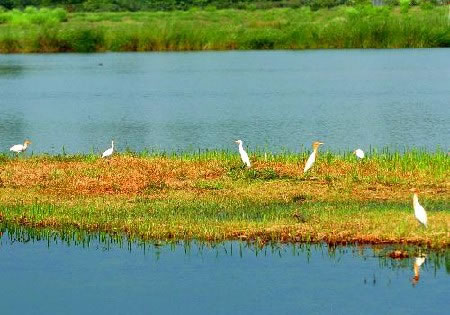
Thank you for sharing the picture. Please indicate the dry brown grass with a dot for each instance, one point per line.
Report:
(125, 175)
(129, 176)
(340, 201)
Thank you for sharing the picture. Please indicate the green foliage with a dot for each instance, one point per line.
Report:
(404, 5)
(84, 39)
(362, 26)
(170, 5)
(31, 15)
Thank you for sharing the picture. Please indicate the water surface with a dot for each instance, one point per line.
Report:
(272, 100)
(51, 276)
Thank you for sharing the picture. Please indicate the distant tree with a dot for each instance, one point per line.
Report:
(7, 4)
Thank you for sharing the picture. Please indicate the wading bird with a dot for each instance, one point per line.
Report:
(312, 157)
(419, 211)
(109, 152)
(244, 155)
(359, 153)
(18, 148)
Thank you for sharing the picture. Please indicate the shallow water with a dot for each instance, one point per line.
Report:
(272, 100)
(51, 276)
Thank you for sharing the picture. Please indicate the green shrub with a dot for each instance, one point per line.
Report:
(426, 5)
(5, 17)
(404, 5)
(83, 39)
(60, 14)
(9, 43)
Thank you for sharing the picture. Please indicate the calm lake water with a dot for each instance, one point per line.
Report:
(272, 100)
(51, 277)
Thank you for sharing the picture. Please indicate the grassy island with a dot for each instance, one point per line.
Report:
(55, 30)
(210, 196)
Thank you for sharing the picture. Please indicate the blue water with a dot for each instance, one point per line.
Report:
(272, 100)
(51, 277)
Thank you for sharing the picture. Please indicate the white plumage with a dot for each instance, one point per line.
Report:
(18, 148)
(312, 157)
(419, 260)
(109, 152)
(417, 263)
(419, 211)
(244, 155)
(310, 162)
(359, 153)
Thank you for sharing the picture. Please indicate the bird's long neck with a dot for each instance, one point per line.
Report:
(241, 148)
(25, 145)
(415, 199)
(112, 145)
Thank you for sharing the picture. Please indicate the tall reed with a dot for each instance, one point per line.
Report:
(341, 27)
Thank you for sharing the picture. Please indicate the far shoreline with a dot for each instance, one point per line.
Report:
(363, 27)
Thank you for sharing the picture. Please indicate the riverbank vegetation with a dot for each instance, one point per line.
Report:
(171, 5)
(209, 196)
(55, 30)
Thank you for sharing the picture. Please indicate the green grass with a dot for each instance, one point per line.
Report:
(209, 196)
(341, 27)
(331, 222)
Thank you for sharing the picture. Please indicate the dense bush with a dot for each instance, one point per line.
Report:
(31, 15)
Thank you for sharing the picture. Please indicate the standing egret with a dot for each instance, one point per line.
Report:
(109, 152)
(244, 155)
(18, 148)
(419, 211)
(359, 153)
(312, 157)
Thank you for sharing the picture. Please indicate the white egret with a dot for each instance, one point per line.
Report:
(244, 155)
(18, 148)
(419, 211)
(109, 152)
(359, 153)
(312, 157)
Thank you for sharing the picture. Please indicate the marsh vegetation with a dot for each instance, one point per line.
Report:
(209, 196)
(55, 30)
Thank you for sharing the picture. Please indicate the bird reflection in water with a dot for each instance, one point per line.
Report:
(418, 261)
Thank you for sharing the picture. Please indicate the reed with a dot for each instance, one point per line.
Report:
(340, 27)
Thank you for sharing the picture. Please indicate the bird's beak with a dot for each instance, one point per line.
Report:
(236, 141)
(321, 143)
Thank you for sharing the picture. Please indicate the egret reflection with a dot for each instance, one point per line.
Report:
(418, 261)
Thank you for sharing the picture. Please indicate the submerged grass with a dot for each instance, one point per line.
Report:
(209, 196)
(341, 27)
